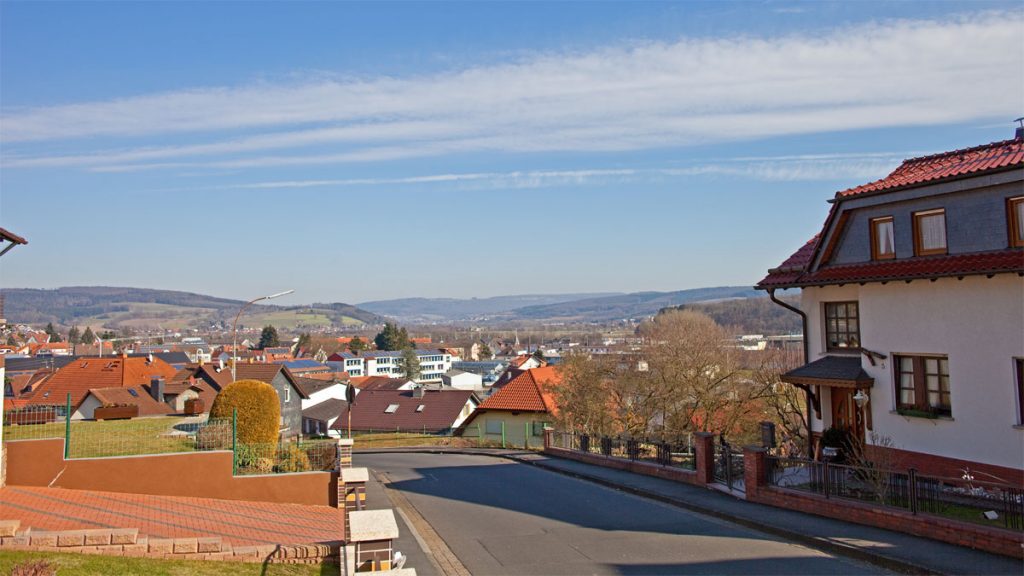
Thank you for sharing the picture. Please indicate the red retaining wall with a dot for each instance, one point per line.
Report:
(197, 474)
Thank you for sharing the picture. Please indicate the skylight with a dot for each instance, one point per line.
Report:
(391, 409)
(133, 392)
(421, 407)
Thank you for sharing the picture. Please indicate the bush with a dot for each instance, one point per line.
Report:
(259, 411)
(291, 458)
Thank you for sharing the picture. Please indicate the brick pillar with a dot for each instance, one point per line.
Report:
(704, 455)
(345, 453)
(755, 470)
(548, 434)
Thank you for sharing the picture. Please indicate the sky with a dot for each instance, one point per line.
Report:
(366, 151)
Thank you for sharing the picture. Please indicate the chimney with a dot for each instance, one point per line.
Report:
(149, 358)
(1019, 134)
(156, 388)
(220, 361)
(417, 392)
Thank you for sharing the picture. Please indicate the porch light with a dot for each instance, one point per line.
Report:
(860, 398)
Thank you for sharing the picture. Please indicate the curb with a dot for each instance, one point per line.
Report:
(818, 543)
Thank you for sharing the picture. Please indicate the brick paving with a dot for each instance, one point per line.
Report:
(237, 522)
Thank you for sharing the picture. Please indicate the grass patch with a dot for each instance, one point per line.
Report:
(87, 565)
(91, 439)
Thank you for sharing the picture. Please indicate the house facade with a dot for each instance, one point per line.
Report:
(516, 413)
(913, 300)
(433, 364)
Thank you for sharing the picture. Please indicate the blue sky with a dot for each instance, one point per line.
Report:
(357, 152)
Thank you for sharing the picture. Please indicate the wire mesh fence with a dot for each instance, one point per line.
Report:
(35, 423)
(286, 457)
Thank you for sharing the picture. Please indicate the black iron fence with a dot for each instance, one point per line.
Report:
(988, 503)
(728, 465)
(676, 453)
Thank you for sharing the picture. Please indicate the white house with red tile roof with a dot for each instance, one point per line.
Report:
(913, 302)
(516, 412)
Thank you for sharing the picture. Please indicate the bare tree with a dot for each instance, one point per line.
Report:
(784, 404)
(582, 395)
(694, 373)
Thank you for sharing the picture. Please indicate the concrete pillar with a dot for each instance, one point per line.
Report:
(755, 470)
(704, 455)
(548, 437)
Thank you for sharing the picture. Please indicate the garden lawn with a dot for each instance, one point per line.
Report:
(89, 565)
(91, 439)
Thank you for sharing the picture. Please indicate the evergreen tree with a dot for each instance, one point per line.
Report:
(11, 341)
(410, 364)
(304, 343)
(54, 335)
(87, 337)
(391, 338)
(269, 338)
(356, 345)
(74, 335)
(538, 354)
(485, 351)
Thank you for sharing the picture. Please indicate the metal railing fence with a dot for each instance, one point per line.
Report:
(994, 504)
(675, 453)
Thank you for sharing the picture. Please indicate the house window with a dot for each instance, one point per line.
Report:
(1018, 364)
(842, 325)
(930, 232)
(495, 427)
(882, 240)
(1015, 213)
(287, 395)
(923, 384)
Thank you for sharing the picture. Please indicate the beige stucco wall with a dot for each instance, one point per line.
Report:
(515, 427)
(978, 322)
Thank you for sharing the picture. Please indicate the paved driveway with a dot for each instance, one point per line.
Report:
(500, 517)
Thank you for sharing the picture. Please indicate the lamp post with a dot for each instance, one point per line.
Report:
(234, 328)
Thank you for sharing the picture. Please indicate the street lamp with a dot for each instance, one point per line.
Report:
(234, 328)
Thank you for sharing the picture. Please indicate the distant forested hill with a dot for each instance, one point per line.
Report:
(629, 306)
(114, 307)
(752, 315)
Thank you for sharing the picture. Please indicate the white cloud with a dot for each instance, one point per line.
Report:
(784, 168)
(641, 96)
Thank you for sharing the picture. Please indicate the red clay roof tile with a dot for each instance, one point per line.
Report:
(929, 169)
(527, 392)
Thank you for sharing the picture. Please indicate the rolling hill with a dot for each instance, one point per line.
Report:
(629, 306)
(454, 309)
(117, 307)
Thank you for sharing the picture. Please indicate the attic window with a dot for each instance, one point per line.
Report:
(84, 364)
(133, 392)
(421, 407)
(882, 239)
(930, 232)
(391, 409)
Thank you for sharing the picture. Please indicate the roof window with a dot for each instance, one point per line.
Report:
(133, 392)
(391, 409)
(421, 407)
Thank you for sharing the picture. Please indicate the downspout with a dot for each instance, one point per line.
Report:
(807, 354)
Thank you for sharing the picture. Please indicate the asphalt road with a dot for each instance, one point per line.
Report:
(500, 517)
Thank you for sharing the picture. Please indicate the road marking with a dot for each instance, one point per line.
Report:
(446, 562)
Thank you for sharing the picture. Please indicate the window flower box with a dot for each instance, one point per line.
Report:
(116, 412)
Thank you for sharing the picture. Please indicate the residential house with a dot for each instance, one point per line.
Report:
(516, 413)
(363, 383)
(149, 400)
(318, 391)
(419, 410)
(455, 378)
(77, 378)
(305, 367)
(489, 370)
(217, 377)
(318, 420)
(913, 301)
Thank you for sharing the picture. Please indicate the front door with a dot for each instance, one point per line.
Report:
(845, 413)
